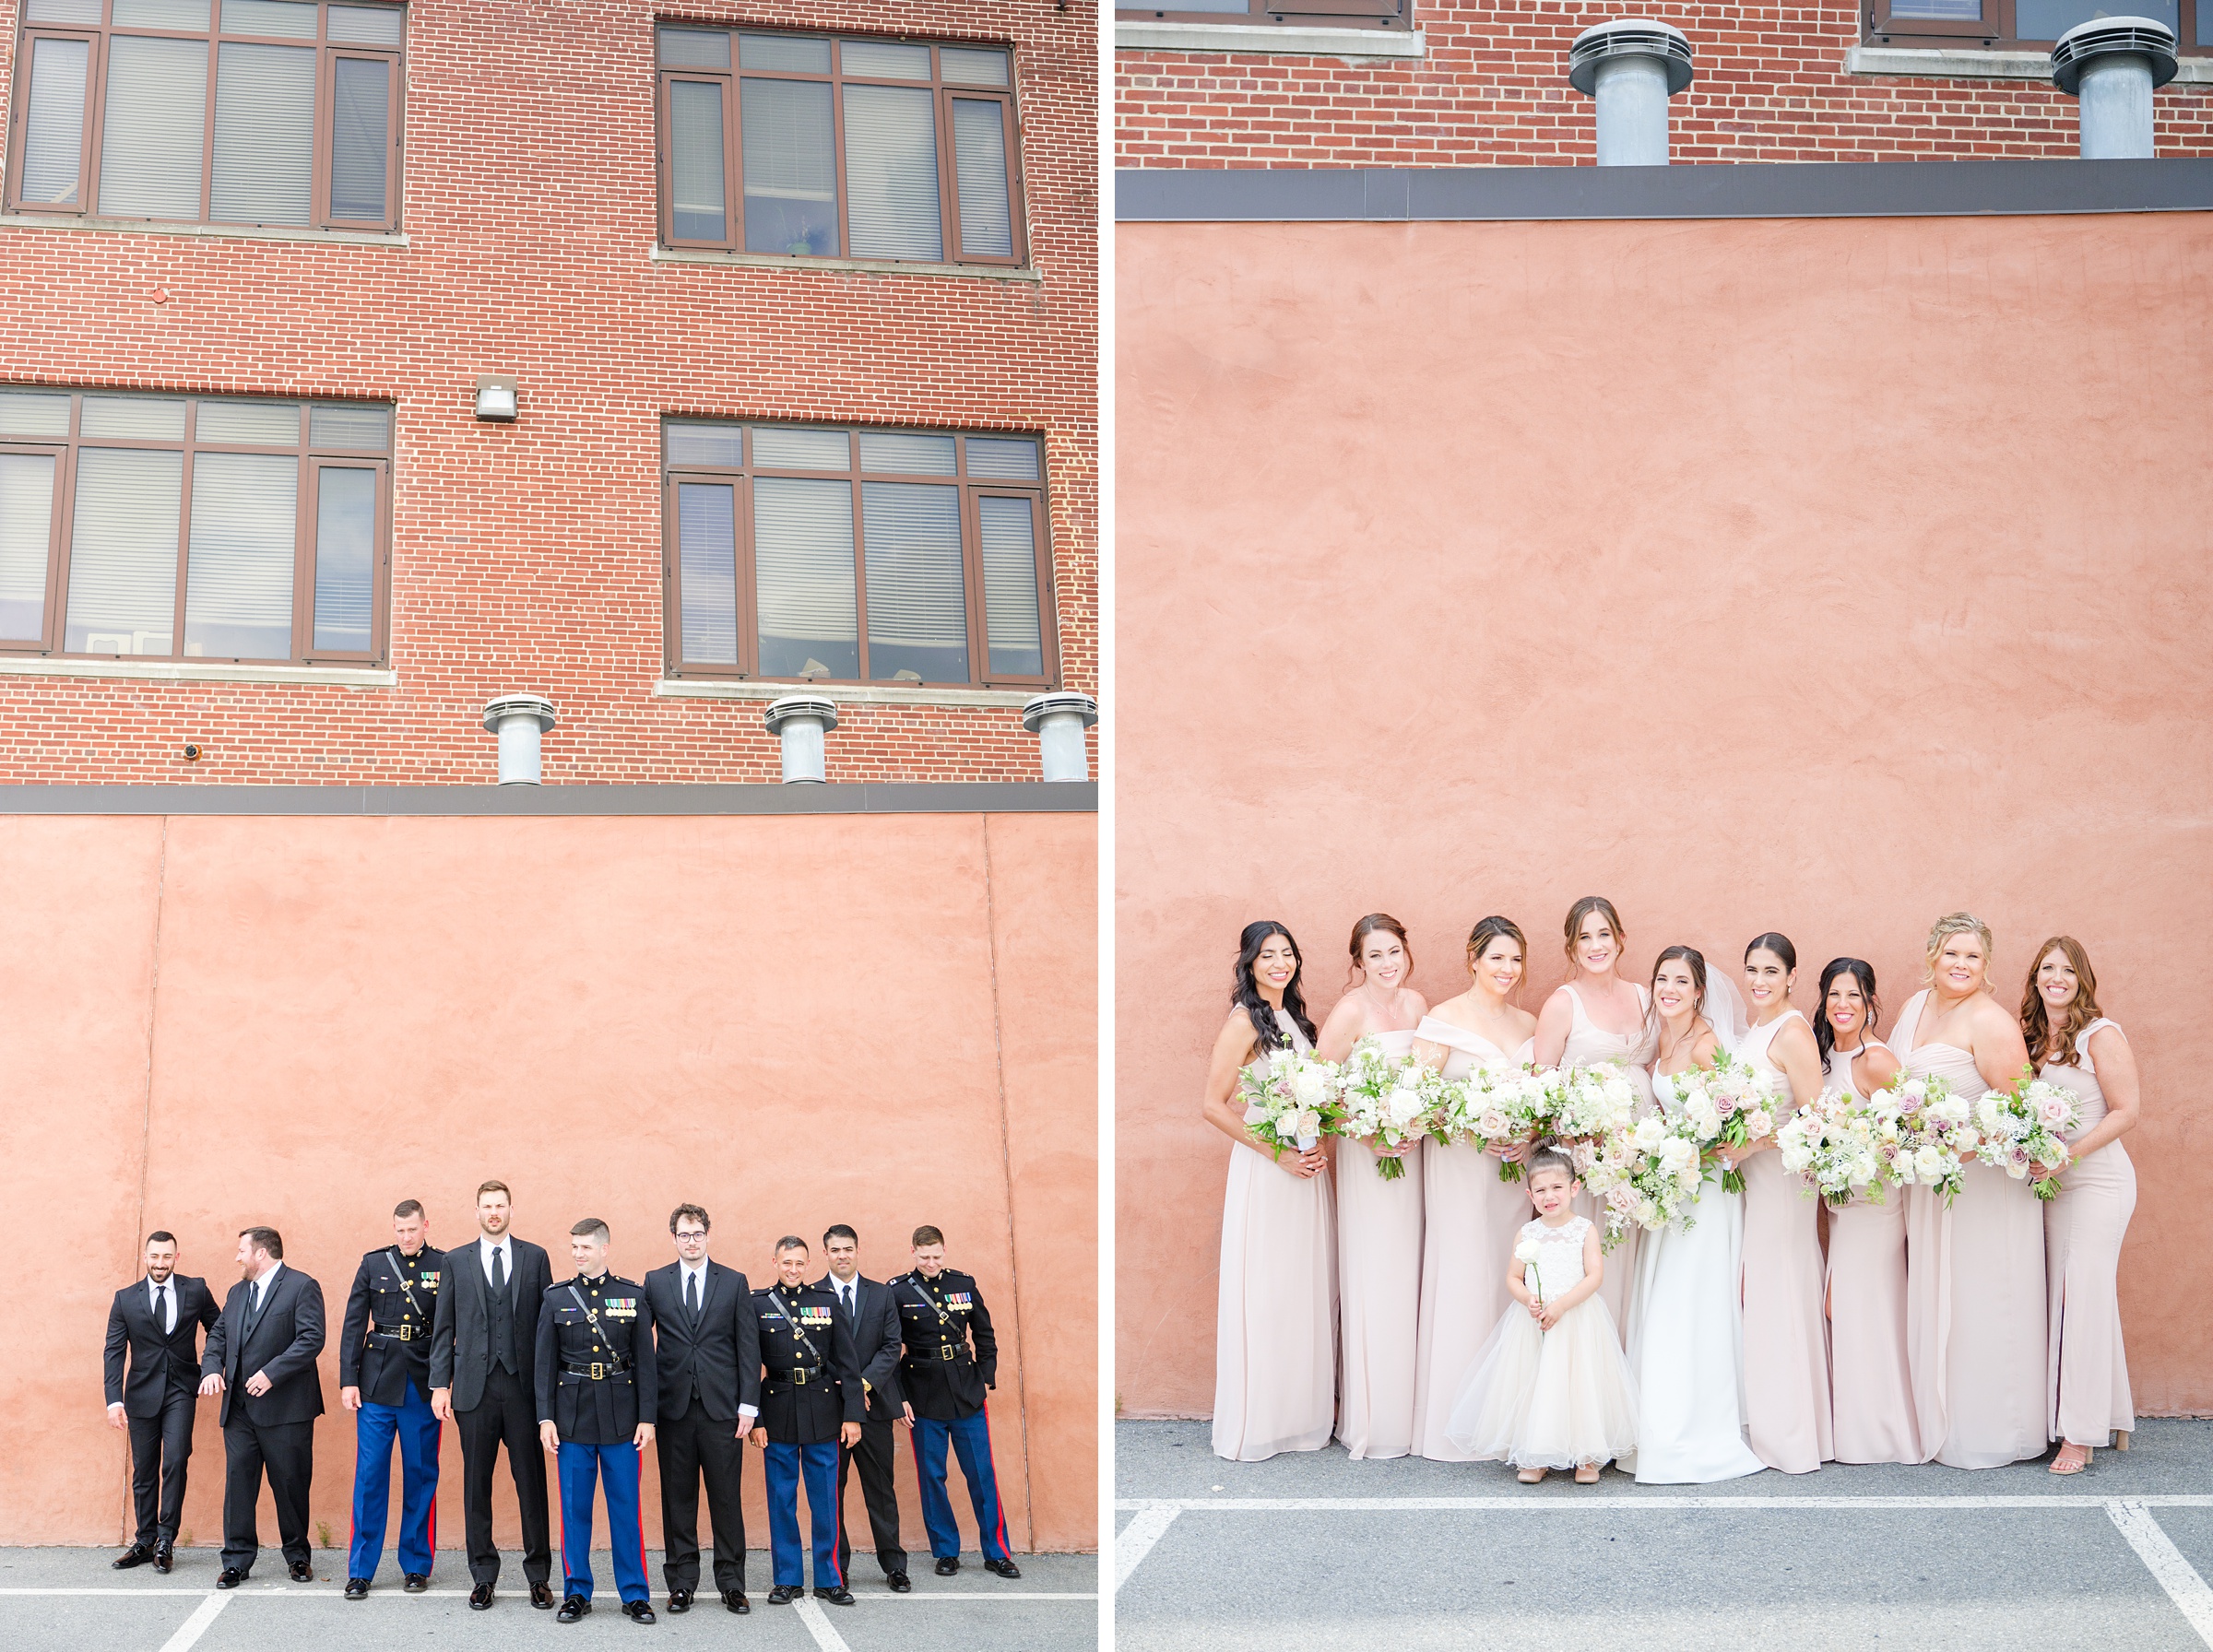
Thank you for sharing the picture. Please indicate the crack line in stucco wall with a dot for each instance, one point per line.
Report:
(1006, 1158)
(146, 1122)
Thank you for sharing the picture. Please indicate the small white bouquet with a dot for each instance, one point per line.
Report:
(1937, 1128)
(2025, 1130)
(1840, 1147)
(1290, 1101)
(1526, 1253)
(1385, 1100)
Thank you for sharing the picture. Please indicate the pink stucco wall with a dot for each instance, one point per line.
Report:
(1815, 576)
(884, 1021)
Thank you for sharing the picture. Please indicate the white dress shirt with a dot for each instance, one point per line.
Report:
(261, 1285)
(163, 1300)
(485, 1248)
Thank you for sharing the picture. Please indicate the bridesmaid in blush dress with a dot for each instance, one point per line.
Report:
(1274, 1330)
(1786, 1344)
(1471, 1219)
(1378, 1222)
(1975, 1306)
(2075, 1045)
(1871, 1391)
(1596, 1016)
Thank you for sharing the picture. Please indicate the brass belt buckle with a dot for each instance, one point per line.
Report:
(801, 1374)
(599, 1371)
(947, 1351)
(406, 1333)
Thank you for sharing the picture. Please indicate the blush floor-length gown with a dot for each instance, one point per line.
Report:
(1275, 1341)
(1975, 1302)
(1786, 1344)
(2088, 1368)
(1471, 1218)
(1589, 1044)
(1870, 1387)
(1378, 1290)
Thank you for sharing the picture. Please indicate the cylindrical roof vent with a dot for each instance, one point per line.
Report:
(799, 721)
(1059, 722)
(518, 720)
(2110, 65)
(1630, 68)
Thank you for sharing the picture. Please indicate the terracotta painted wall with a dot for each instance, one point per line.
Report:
(882, 1021)
(1816, 576)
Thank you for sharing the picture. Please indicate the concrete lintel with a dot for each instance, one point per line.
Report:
(343, 677)
(128, 225)
(1978, 63)
(865, 798)
(1262, 39)
(700, 688)
(842, 266)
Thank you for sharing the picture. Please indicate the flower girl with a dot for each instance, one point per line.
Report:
(1551, 1388)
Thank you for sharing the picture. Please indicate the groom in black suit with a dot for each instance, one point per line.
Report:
(261, 1359)
(152, 1368)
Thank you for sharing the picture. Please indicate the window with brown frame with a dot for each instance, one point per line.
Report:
(2024, 23)
(818, 554)
(256, 112)
(1334, 14)
(818, 147)
(192, 527)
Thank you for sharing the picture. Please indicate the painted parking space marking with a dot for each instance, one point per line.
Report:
(189, 1631)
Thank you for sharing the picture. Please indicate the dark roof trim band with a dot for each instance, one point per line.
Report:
(921, 797)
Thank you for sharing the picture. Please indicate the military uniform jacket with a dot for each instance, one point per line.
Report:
(952, 1356)
(385, 1342)
(811, 1380)
(596, 1366)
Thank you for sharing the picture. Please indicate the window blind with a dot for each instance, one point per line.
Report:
(143, 417)
(32, 413)
(889, 59)
(972, 65)
(185, 15)
(695, 49)
(905, 453)
(150, 146)
(795, 53)
(706, 530)
(293, 17)
(791, 167)
(63, 11)
(1003, 457)
(803, 577)
(917, 600)
(345, 558)
(123, 552)
(54, 146)
(366, 25)
(696, 138)
(1010, 558)
(360, 137)
(367, 430)
(979, 164)
(721, 445)
(256, 424)
(793, 447)
(265, 134)
(892, 173)
(238, 577)
(26, 536)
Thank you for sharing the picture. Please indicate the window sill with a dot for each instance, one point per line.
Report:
(345, 677)
(1978, 63)
(707, 688)
(841, 266)
(1264, 39)
(126, 226)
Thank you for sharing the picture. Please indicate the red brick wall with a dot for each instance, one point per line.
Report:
(1492, 92)
(529, 557)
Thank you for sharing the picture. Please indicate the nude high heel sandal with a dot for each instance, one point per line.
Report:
(1586, 1474)
(2120, 1439)
(1529, 1477)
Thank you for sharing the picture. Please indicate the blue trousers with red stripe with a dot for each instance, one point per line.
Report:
(617, 1468)
(786, 1463)
(971, 1439)
(416, 1428)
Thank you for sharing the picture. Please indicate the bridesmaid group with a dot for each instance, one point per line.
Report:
(1972, 1335)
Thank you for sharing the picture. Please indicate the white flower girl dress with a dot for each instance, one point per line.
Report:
(1549, 1399)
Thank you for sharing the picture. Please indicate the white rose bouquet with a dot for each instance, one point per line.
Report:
(1840, 1147)
(1590, 1104)
(1290, 1102)
(1493, 1106)
(1645, 1175)
(1749, 1102)
(2025, 1130)
(1526, 1253)
(1937, 1128)
(1386, 1100)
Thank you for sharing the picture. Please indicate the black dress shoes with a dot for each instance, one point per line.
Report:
(679, 1600)
(302, 1571)
(949, 1565)
(480, 1598)
(230, 1578)
(638, 1612)
(784, 1594)
(1005, 1568)
(898, 1583)
(837, 1595)
(357, 1588)
(414, 1583)
(735, 1600)
(137, 1555)
(574, 1607)
(542, 1595)
(164, 1557)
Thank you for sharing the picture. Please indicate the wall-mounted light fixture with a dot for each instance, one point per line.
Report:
(496, 396)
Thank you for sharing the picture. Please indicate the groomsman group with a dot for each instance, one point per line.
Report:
(588, 1371)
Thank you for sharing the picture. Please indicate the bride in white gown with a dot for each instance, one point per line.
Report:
(1685, 1329)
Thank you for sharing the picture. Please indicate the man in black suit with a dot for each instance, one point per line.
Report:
(261, 1359)
(484, 1377)
(156, 1324)
(874, 1321)
(709, 1394)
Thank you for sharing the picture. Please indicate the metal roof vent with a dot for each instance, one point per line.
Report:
(2110, 66)
(518, 720)
(799, 722)
(1630, 68)
(1059, 722)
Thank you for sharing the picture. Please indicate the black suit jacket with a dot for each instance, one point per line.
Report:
(875, 1342)
(159, 1361)
(461, 1337)
(720, 1350)
(281, 1342)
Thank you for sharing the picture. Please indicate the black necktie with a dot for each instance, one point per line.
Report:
(844, 1295)
(692, 1293)
(161, 1310)
(499, 1271)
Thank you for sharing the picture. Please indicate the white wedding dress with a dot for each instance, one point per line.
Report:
(1686, 1343)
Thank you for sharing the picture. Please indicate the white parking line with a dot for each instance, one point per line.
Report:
(2157, 1551)
(277, 1592)
(818, 1624)
(190, 1630)
(1617, 1504)
(1135, 1540)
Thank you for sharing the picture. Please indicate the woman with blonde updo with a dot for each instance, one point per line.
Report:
(1975, 1301)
